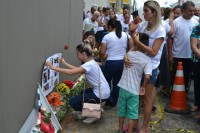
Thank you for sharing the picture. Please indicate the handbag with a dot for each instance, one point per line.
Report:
(92, 109)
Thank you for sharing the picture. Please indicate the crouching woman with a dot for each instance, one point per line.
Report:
(93, 75)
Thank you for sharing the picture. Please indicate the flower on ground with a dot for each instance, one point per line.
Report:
(69, 83)
(63, 89)
(54, 99)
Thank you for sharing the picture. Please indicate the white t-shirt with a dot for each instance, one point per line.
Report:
(125, 27)
(167, 28)
(167, 20)
(92, 75)
(101, 19)
(131, 76)
(116, 47)
(182, 30)
(89, 15)
(88, 25)
(196, 18)
(159, 33)
(121, 18)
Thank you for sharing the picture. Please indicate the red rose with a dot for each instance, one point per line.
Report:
(66, 47)
(69, 83)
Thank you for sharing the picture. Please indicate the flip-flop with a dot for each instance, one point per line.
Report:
(125, 128)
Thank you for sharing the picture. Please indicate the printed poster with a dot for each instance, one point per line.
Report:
(50, 78)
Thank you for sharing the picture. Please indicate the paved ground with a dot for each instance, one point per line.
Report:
(109, 122)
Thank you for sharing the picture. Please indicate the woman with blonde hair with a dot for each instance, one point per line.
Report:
(152, 27)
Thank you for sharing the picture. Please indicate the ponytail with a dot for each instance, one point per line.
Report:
(117, 25)
(118, 30)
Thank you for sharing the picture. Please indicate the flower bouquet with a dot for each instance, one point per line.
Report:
(63, 89)
(54, 99)
(46, 125)
(69, 83)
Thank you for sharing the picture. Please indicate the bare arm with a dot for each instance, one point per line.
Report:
(62, 60)
(169, 46)
(144, 85)
(171, 24)
(193, 42)
(65, 71)
(146, 80)
(102, 50)
(130, 42)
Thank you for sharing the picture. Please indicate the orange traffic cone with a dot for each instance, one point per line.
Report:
(178, 102)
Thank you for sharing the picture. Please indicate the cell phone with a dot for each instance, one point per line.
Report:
(144, 38)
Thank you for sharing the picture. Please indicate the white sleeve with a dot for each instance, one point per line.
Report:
(160, 33)
(104, 40)
(166, 26)
(86, 66)
(148, 68)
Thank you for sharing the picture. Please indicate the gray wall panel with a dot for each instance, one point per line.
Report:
(31, 31)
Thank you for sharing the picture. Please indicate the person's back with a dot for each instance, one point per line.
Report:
(131, 76)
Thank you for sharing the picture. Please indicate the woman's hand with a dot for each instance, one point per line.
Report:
(62, 60)
(142, 91)
(171, 16)
(135, 37)
(49, 64)
(127, 61)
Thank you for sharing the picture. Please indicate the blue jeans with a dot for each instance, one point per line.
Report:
(113, 72)
(77, 102)
(154, 76)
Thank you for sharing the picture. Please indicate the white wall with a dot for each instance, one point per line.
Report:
(102, 3)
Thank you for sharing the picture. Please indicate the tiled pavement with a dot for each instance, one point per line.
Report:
(109, 122)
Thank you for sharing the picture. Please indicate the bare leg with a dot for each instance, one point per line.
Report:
(148, 102)
(154, 93)
(132, 124)
(121, 123)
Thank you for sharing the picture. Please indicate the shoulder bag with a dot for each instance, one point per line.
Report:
(92, 109)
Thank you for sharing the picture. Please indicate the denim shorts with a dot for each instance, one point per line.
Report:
(154, 76)
(127, 104)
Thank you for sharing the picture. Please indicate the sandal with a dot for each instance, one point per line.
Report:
(125, 128)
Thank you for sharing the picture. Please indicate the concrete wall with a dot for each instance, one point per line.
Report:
(31, 31)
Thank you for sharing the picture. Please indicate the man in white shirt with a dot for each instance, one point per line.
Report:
(181, 48)
(90, 24)
(121, 16)
(90, 14)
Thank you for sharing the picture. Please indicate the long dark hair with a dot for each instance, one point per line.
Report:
(115, 24)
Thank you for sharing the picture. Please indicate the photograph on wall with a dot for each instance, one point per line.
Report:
(49, 77)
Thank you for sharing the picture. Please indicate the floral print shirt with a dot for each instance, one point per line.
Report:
(196, 34)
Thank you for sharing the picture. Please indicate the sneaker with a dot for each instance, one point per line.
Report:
(78, 115)
(90, 120)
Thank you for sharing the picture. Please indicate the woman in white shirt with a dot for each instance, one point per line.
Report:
(114, 44)
(153, 27)
(93, 75)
